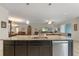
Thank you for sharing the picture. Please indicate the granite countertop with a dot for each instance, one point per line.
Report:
(37, 37)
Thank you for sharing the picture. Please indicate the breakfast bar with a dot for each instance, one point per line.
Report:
(33, 45)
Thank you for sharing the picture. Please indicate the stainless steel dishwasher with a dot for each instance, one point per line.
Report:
(60, 48)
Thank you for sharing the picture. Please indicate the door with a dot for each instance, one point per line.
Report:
(29, 29)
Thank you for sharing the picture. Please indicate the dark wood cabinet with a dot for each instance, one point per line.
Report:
(45, 51)
(8, 48)
(34, 51)
(20, 48)
(27, 48)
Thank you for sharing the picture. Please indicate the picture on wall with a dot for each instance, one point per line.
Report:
(75, 27)
(3, 24)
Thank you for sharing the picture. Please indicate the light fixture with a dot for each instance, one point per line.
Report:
(49, 22)
(50, 4)
(27, 3)
(15, 25)
(15, 19)
(27, 22)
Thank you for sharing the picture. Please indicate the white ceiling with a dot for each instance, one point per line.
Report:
(37, 13)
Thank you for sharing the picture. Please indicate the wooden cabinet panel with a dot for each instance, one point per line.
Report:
(34, 51)
(20, 48)
(27, 48)
(8, 48)
(40, 48)
(45, 51)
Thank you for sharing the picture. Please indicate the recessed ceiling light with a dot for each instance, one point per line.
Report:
(50, 4)
(27, 3)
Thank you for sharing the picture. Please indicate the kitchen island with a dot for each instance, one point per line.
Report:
(34, 45)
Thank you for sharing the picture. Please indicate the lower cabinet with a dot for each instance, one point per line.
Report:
(34, 51)
(20, 48)
(45, 51)
(8, 48)
(27, 48)
(40, 48)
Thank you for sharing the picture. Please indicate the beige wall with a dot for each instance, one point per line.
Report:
(75, 37)
(1, 47)
(3, 31)
(3, 17)
(76, 48)
(75, 34)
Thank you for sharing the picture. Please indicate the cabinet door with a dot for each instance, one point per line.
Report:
(20, 48)
(8, 48)
(27, 48)
(39, 48)
(45, 51)
(33, 51)
(46, 48)
(33, 48)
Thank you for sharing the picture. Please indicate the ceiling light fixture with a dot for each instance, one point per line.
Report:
(27, 3)
(49, 22)
(15, 19)
(50, 4)
(15, 25)
(27, 22)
